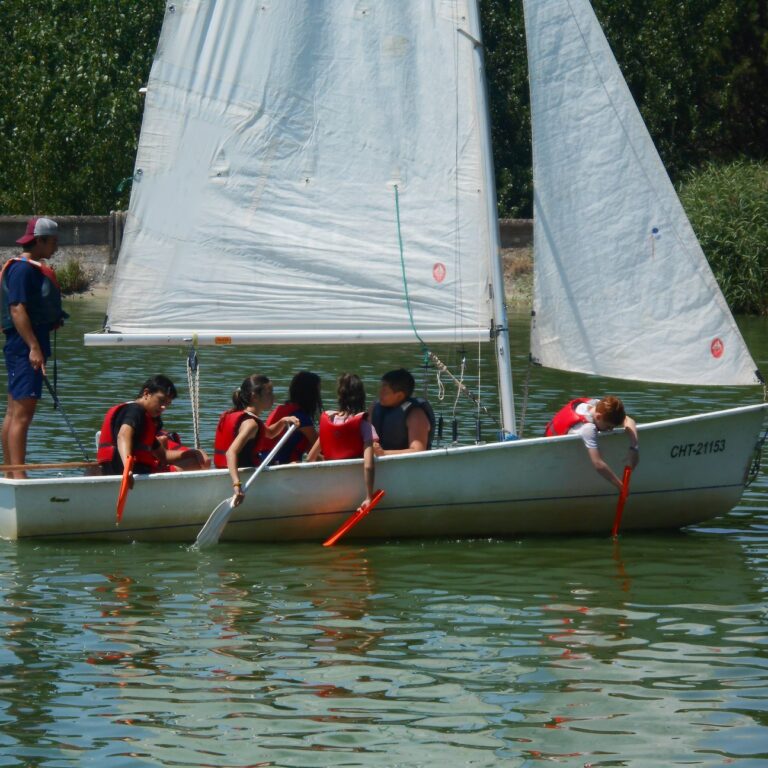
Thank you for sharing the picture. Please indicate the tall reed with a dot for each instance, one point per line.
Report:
(728, 209)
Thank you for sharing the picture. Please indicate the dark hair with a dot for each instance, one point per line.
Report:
(351, 393)
(305, 392)
(252, 386)
(400, 380)
(159, 383)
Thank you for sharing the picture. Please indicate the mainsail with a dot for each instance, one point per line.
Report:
(287, 149)
(621, 286)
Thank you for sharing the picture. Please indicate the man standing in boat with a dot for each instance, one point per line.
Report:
(405, 424)
(31, 309)
(589, 417)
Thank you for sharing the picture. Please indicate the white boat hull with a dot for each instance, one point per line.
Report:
(691, 469)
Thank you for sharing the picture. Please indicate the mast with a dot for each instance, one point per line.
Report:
(500, 328)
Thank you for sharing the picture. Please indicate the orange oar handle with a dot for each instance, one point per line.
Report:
(125, 486)
(622, 500)
(354, 518)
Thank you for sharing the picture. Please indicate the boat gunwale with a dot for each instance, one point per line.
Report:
(422, 455)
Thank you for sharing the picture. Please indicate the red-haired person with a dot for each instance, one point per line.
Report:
(347, 433)
(589, 417)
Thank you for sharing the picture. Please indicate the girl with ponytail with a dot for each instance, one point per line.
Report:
(241, 436)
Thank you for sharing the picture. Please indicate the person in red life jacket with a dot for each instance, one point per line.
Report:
(131, 429)
(405, 424)
(177, 457)
(241, 436)
(304, 402)
(348, 433)
(30, 302)
(589, 417)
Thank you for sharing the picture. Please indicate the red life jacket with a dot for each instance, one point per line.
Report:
(566, 418)
(226, 431)
(300, 446)
(342, 441)
(142, 450)
(174, 443)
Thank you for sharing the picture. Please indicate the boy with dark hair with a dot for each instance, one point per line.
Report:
(405, 424)
(131, 429)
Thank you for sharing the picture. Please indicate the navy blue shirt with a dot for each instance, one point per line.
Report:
(23, 281)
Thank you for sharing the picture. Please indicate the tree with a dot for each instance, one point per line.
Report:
(70, 106)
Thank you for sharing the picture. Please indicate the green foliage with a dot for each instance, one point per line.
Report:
(728, 209)
(507, 75)
(71, 277)
(70, 106)
(697, 71)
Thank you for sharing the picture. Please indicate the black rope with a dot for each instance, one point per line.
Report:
(757, 457)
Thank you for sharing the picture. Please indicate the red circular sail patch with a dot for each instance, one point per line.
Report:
(717, 347)
(439, 272)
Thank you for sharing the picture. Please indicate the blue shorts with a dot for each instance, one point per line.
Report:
(23, 381)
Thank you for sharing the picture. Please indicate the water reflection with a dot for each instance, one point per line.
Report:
(473, 652)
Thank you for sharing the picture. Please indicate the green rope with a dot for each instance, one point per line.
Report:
(429, 356)
(424, 347)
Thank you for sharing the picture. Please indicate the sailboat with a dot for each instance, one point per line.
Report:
(322, 173)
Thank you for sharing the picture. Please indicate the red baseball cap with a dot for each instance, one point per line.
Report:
(39, 227)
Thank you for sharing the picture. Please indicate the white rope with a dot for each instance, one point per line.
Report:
(193, 382)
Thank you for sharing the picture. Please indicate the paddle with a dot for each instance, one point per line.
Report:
(354, 519)
(622, 500)
(49, 465)
(57, 404)
(214, 525)
(125, 486)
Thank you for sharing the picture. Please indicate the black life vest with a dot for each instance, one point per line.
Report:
(390, 423)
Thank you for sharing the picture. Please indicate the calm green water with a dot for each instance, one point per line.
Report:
(574, 652)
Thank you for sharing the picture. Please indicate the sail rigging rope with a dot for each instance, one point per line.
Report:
(524, 407)
(402, 267)
(193, 382)
(428, 353)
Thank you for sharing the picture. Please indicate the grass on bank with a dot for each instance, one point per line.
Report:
(728, 209)
(72, 278)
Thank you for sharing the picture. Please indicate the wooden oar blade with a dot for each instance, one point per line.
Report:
(214, 525)
(125, 486)
(354, 519)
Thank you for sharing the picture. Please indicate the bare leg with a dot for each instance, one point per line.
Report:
(6, 429)
(192, 459)
(15, 428)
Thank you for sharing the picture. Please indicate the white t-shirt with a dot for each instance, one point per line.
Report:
(587, 431)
